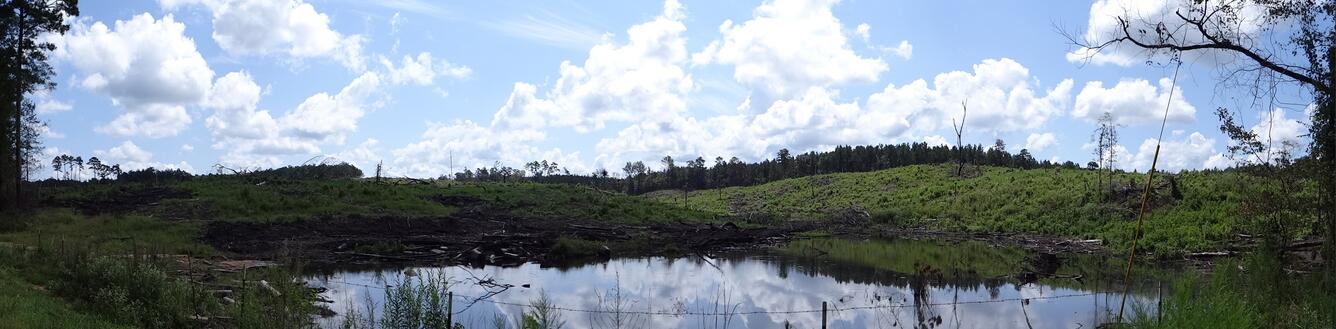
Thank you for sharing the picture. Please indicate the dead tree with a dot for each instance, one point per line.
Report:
(1261, 42)
(960, 130)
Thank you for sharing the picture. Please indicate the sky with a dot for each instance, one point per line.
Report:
(433, 87)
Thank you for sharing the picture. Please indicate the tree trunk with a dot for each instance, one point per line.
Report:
(18, 117)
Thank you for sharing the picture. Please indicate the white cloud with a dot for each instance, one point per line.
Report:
(1000, 94)
(151, 120)
(365, 156)
(53, 106)
(46, 104)
(1196, 151)
(1133, 102)
(234, 100)
(422, 70)
(1278, 134)
(1275, 128)
(642, 78)
(47, 132)
(1037, 142)
(131, 157)
(328, 118)
(146, 65)
(253, 138)
(291, 27)
(465, 144)
(789, 46)
(1144, 17)
(904, 49)
(187, 148)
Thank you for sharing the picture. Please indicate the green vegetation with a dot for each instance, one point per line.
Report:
(1263, 296)
(145, 290)
(23, 306)
(245, 198)
(82, 245)
(967, 259)
(1200, 215)
(422, 302)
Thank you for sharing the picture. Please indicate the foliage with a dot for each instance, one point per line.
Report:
(308, 171)
(25, 25)
(570, 248)
(240, 197)
(136, 288)
(24, 306)
(153, 175)
(1048, 201)
(1258, 296)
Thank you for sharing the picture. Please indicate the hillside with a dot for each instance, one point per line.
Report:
(1201, 216)
(232, 198)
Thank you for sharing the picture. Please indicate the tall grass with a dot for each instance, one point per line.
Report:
(143, 290)
(1048, 201)
(423, 302)
(1258, 294)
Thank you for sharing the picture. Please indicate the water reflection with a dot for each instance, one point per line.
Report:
(767, 291)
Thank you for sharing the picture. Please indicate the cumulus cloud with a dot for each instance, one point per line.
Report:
(146, 65)
(254, 138)
(818, 119)
(1145, 16)
(642, 78)
(234, 99)
(46, 104)
(422, 70)
(789, 46)
(1133, 101)
(1196, 151)
(364, 156)
(1275, 128)
(1000, 94)
(131, 157)
(291, 27)
(465, 144)
(1037, 142)
(328, 118)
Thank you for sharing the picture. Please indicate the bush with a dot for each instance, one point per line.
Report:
(152, 175)
(310, 171)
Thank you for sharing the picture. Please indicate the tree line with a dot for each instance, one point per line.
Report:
(695, 174)
(637, 177)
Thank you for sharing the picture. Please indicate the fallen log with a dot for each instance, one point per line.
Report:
(265, 284)
(1304, 244)
(1210, 254)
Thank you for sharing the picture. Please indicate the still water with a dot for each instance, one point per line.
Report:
(865, 284)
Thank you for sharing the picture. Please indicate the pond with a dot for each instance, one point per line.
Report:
(864, 284)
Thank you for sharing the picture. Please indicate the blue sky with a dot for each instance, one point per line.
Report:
(428, 86)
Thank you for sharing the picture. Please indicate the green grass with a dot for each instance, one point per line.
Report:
(1047, 201)
(109, 233)
(1256, 294)
(23, 306)
(239, 199)
(143, 290)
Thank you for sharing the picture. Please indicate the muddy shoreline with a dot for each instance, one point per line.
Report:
(343, 242)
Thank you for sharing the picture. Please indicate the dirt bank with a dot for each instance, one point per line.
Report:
(353, 241)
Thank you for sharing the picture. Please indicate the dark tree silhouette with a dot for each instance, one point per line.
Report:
(25, 70)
